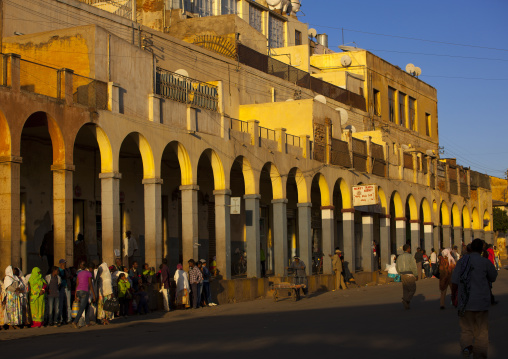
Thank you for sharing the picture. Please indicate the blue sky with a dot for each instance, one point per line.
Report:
(471, 81)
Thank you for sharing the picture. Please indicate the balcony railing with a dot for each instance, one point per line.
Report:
(184, 89)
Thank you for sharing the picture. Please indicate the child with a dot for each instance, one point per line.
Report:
(143, 299)
(123, 294)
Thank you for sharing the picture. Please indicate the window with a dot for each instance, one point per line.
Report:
(275, 32)
(391, 104)
(412, 114)
(228, 7)
(376, 97)
(255, 16)
(179, 4)
(428, 124)
(402, 109)
(204, 7)
(298, 38)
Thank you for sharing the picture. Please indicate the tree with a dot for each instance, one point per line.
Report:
(500, 221)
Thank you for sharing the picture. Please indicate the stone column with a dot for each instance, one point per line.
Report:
(488, 237)
(153, 221)
(252, 235)
(468, 236)
(348, 227)
(415, 235)
(190, 239)
(447, 236)
(437, 238)
(110, 212)
(63, 208)
(368, 237)
(305, 235)
(280, 236)
(478, 233)
(10, 221)
(328, 237)
(223, 232)
(428, 231)
(457, 240)
(385, 247)
(400, 234)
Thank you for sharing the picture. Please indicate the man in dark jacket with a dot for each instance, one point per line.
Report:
(419, 261)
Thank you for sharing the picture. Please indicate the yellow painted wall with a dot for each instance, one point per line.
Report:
(296, 56)
(499, 189)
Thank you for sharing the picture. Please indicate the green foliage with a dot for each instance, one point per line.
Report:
(500, 220)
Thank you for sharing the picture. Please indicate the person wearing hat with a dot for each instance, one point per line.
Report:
(337, 268)
(64, 297)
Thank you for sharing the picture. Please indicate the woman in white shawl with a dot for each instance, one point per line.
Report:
(105, 287)
(182, 287)
(11, 292)
(2, 307)
(392, 270)
(23, 294)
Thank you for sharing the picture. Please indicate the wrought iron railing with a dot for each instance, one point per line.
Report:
(184, 89)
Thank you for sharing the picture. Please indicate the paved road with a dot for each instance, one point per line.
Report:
(367, 322)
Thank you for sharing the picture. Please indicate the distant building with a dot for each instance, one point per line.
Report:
(150, 116)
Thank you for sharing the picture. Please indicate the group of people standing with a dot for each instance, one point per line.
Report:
(100, 294)
(469, 276)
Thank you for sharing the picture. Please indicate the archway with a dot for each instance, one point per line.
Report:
(456, 221)
(397, 223)
(466, 220)
(322, 226)
(46, 223)
(176, 171)
(445, 227)
(412, 224)
(426, 226)
(296, 192)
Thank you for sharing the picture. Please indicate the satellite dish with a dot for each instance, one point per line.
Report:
(351, 128)
(345, 61)
(410, 68)
(290, 99)
(182, 72)
(343, 115)
(404, 147)
(418, 71)
(320, 98)
(312, 33)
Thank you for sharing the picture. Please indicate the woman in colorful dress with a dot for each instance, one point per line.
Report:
(2, 310)
(446, 266)
(37, 292)
(13, 309)
(105, 292)
(23, 294)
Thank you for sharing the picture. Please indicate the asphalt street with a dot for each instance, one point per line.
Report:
(367, 322)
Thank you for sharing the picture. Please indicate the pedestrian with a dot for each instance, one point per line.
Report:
(143, 298)
(337, 268)
(135, 276)
(118, 264)
(489, 254)
(2, 306)
(195, 277)
(38, 288)
(12, 288)
(298, 267)
(455, 253)
(23, 296)
(426, 264)
(471, 283)
(130, 247)
(84, 287)
(392, 269)
(199, 264)
(207, 294)
(406, 267)
(182, 287)
(64, 297)
(446, 266)
(419, 261)
(165, 275)
(147, 273)
(213, 266)
(433, 262)
(124, 295)
(105, 289)
(496, 258)
(53, 295)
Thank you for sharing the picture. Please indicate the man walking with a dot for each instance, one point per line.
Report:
(406, 267)
(195, 278)
(129, 246)
(337, 268)
(471, 293)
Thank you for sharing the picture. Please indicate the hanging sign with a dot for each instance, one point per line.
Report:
(365, 195)
(235, 205)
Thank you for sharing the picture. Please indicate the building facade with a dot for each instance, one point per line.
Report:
(205, 143)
